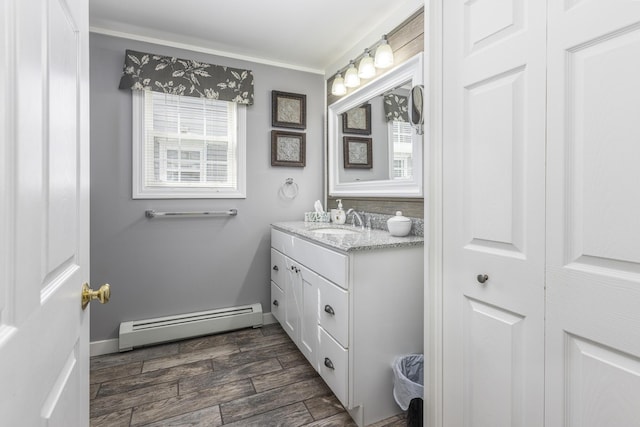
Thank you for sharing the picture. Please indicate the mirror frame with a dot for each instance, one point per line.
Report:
(412, 70)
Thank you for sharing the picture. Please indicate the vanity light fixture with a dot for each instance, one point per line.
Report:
(351, 78)
(366, 69)
(338, 87)
(384, 54)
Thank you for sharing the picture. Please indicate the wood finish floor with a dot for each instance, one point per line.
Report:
(252, 377)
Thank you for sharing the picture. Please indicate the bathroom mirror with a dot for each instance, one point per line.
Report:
(373, 148)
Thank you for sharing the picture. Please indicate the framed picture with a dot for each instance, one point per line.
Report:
(357, 120)
(288, 110)
(357, 152)
(288, 148)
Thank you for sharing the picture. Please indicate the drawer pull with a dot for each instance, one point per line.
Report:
(275, 267)
(294, 268)
(329, 309)
(328, 363)
(482, 278)
(275, 302)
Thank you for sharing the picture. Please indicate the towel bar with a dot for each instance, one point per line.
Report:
(152, 213)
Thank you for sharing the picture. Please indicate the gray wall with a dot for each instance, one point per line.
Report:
(170, 266)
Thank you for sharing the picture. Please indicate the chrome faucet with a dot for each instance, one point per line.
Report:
(353, 219)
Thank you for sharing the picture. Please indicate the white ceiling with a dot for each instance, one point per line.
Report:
(310, 35)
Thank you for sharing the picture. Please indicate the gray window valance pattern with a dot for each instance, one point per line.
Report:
(396, 107)
(146, 71)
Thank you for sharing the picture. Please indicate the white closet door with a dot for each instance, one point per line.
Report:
(593, 234)
(494, 159)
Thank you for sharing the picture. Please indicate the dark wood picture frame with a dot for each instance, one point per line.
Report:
(288, 148)
(288, 110)
(357, 152)
(357, 120)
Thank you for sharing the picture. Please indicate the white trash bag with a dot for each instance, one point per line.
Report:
(408, 379)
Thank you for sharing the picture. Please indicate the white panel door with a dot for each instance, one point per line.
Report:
(44, 212)
(593, 231)
(493, 212)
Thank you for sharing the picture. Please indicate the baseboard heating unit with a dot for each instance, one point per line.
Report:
(171, 328)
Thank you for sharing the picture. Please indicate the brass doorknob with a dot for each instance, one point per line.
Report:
(103, 294)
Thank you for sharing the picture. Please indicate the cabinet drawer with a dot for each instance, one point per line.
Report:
(325, 262)
(334, 311)
(277, 302)
(278, 268)
(333, 361)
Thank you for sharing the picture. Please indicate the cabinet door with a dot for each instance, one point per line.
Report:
(291, 296)
(493, 235)
(593, 219)
(308, 312)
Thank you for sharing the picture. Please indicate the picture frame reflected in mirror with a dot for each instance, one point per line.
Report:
(357, 152)
(357, 120)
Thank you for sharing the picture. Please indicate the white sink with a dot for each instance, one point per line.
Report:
(335, 231)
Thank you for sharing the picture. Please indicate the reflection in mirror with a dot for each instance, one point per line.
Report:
(385, 119)
(373, 149)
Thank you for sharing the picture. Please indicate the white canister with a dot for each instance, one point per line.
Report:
(399, 225)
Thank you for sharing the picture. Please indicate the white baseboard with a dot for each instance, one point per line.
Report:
(268, 319)
(98, 348)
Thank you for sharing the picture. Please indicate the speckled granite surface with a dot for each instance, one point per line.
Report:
(357, 240)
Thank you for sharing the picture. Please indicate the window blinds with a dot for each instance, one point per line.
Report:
(189, 142)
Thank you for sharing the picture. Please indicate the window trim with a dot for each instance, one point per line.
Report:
(141, 191)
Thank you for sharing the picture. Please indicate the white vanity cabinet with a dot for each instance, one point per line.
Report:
(351, 313)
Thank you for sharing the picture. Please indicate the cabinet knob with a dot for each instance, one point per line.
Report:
(329, 309)
(482, 278)
(275, 302)
(275, 267)
(328, 363)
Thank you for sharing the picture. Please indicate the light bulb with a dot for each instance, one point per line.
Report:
(366, 69)
(384, 54)
(338, 87)
(351, 78)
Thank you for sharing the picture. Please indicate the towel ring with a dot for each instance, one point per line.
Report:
(289, 189)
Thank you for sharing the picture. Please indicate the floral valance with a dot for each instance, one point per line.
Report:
(146, 71)
(396, 107)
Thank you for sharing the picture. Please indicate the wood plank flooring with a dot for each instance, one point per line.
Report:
(246, 378)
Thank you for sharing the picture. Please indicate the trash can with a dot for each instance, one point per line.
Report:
(408, 386)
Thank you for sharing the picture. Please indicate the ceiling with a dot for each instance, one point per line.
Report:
(304, 34)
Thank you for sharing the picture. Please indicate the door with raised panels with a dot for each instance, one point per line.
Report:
(493, 212)
(44, 212)
(593, 220)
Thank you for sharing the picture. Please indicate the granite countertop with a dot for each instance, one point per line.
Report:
(359, 241)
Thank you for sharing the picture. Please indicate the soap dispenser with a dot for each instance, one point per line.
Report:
(339, 217)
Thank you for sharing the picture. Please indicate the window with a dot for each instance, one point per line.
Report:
(400, 149)
(187, 147)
